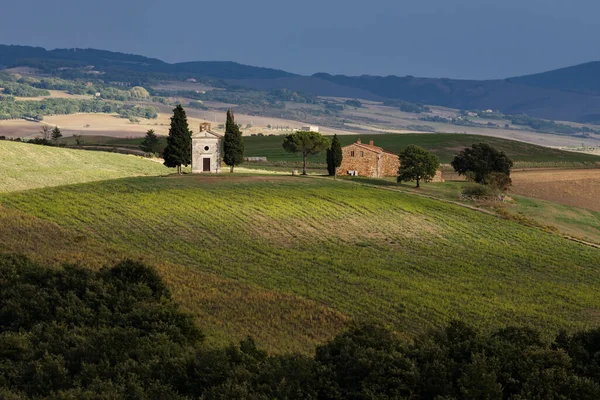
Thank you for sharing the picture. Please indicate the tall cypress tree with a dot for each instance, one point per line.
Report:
(233, 144)
(179, 143)
(334, 156)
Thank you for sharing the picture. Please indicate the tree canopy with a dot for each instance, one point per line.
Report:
(233, 144)
(179, 142)
(417, 164)
(480, 160)
(73, 333)
(305, 143)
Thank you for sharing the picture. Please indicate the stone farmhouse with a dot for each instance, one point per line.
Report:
(207, 150)
(369, 160)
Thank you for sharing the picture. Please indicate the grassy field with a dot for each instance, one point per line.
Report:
(445, 146)
(559, 215)
(289, 260)
(26, 166)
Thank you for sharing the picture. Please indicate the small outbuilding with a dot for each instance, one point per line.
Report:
(207, 150)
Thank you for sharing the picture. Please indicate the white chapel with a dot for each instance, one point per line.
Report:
(207, 150)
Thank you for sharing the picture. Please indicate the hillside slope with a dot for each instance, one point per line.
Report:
(28, 166)
(290, 260)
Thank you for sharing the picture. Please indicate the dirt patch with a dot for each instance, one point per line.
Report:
(578, 188)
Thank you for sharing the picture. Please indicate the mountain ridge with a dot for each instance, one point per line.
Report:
(569, 94)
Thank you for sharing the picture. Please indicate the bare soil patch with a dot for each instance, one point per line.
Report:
(578, 188)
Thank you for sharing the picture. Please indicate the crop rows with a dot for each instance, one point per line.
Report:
(325, 251)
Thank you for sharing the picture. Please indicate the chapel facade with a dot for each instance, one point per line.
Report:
(207, 150)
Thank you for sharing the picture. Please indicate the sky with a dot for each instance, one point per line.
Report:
(467, 39)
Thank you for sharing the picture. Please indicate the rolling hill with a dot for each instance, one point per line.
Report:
(291, 260)
(570, 94)
(27, 166)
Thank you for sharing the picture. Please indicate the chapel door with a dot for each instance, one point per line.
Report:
(206, 165)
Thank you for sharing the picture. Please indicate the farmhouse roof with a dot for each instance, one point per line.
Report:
(370, 147)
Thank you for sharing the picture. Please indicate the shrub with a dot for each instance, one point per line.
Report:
(476, 190)
(499, 182)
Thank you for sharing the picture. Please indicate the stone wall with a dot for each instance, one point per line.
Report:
(390, 165)
(367, 162)
(439, 176)
(356, 158)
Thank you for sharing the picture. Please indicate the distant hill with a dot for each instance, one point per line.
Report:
(583, 78)
(570, 94)
(507, 96)
(37, 57)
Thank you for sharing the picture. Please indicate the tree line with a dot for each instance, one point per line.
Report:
(13, 109)
(75, 333)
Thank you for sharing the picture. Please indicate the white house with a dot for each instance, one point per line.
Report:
(310, 128)
(207, 150)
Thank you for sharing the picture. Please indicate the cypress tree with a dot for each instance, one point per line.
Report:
(179, 143)
(56, 134)
(150, 143)
(233, 144)
(334, 156)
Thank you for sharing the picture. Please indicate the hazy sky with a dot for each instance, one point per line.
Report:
(439, 38)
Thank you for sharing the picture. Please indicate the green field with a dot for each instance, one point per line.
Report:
(445, 146)
(290, 260)
(26, 166)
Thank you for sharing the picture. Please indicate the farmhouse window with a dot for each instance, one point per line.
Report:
(362, 154)
(352, 153)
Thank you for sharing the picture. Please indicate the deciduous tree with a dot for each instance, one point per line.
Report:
(480, 160)
(417, 164)
(179, 143)
(306, 143)
(46, 132)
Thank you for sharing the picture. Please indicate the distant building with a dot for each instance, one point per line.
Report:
(192, 80)
(310, 128)
(207, 148)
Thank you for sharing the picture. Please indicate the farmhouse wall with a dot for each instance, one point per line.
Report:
(439, 176)
(391, 164)
(357, 158)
